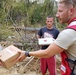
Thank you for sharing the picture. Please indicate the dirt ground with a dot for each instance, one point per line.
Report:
(30, 66)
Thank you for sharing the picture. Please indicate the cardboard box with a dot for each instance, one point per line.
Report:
(45, 41)
(8, 56)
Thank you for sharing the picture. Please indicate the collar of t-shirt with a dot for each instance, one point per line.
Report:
(74, 19)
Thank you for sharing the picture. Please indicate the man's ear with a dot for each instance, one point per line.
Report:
(72, 11)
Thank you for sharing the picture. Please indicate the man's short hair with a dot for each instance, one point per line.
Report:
(68, 2)
(50, 16)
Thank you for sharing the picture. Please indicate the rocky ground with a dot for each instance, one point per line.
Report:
(30, 66)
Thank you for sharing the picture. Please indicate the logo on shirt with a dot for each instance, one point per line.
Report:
(47, 35)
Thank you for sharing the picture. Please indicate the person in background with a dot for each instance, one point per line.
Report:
(48, 32)
(66, 40)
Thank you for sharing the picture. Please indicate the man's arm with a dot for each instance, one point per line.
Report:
(50, 51)
(38, 36)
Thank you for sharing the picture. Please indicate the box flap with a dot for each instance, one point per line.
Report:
(8, 52)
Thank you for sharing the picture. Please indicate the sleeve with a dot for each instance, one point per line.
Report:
(40, 32)
(65, 39)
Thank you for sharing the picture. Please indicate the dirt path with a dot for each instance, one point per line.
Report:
(30, 69)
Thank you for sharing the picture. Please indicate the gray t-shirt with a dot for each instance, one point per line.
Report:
(67, 40)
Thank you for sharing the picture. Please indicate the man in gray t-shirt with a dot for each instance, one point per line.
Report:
(66, 40)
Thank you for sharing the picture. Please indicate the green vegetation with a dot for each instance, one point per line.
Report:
(24, 13)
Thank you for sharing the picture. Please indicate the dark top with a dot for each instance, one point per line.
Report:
(47, 33)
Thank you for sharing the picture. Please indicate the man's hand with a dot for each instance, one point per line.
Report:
(22, 56)
(1, 62)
